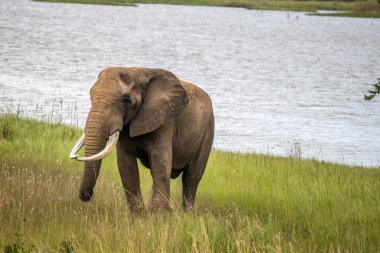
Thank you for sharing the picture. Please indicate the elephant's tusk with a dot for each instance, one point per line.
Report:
(77, 147)
(110, 146)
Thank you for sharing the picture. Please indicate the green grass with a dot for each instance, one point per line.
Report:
(102, 2)
(281, 5)
(245, 203)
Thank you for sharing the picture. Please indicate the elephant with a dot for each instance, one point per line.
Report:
(150, 115)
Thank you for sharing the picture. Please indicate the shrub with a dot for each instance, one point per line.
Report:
(7, 131)
(372, 93)
(68, 246)
(20, 246)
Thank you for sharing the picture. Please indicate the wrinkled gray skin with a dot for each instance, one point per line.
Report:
(166, 123)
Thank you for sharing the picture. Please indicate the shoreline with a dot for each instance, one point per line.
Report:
(310, 7)
(73, 124)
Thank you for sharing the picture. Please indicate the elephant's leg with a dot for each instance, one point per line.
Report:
(130, 178)
(190, 180)
(192, 174)
(160, 168)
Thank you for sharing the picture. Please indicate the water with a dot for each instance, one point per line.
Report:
(281, 83)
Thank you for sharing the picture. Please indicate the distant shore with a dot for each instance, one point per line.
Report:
(362, 9)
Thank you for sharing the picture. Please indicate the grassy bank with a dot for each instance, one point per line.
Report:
(287, 5)
(369, 9)
(245, 203)
(102, 2)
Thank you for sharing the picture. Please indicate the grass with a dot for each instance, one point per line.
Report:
(102, 2)
(283, 5)
(362, 9)
(245, 203)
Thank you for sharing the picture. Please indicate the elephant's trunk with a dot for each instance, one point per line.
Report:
(90, 175)
(96, 134)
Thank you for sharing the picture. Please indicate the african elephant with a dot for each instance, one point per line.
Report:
(150, 115)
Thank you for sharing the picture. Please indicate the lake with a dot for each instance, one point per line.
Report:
(282, 83)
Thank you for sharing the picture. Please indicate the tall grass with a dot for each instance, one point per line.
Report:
(245, 203)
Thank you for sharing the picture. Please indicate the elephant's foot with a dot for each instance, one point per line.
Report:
(135, 203)
(159, 203)
(188, 205)
(137, 208)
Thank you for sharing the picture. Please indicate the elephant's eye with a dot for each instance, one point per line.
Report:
(127, 100)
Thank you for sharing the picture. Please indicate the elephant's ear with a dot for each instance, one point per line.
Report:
(164, 99)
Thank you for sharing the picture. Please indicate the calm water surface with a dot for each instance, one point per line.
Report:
(279, 81)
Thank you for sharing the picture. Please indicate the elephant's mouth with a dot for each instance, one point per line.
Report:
(110, 146)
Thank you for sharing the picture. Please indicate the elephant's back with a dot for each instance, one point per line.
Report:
(199, 109)
(198, 98)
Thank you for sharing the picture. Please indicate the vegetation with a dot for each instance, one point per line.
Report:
(245, 203)
(102, 2)
(362, 9)
(369, 8)
(372, 93)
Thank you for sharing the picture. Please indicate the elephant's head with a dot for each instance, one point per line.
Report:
(133, 100)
